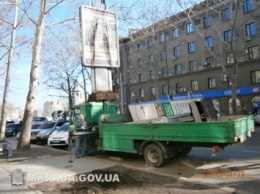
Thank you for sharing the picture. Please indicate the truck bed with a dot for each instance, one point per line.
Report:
(118, 133)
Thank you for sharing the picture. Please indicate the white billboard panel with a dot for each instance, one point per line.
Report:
(99, 37)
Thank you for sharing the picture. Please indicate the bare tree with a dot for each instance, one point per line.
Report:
(232, 41)
(7, 79)
(24, 139)
(153, 26)
(162, 19)
(62, 66)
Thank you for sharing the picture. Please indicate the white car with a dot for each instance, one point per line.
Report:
(60, 137)
(257, 117)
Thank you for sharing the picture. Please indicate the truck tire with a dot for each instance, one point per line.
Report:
(153, 155)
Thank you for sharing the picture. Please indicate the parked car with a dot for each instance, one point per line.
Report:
(257, 117)
(60, 137)
(12, 129)
(39, 119)
(46, 129)
(34, 127)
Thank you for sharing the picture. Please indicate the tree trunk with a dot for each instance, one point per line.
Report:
(69, 91)
(7, 79)
(24, 139)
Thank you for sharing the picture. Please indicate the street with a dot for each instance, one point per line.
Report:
(236, 168)
(240, 158)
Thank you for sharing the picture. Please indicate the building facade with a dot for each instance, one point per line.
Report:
(50, 106)
(197, 53)
(77, 94)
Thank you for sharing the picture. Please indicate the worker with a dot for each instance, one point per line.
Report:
(80, 142)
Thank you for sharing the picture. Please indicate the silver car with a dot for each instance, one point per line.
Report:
(46, 129)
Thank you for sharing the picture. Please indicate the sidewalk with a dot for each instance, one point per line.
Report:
(50, 162)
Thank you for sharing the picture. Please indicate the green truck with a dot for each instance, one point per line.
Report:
(160, 139)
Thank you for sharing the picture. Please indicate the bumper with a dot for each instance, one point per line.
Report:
(58, 142)
(9, 134)
(42, 138)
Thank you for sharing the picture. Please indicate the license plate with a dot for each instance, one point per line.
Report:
(56, 141)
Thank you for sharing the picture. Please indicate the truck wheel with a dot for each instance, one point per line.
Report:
(153, 155)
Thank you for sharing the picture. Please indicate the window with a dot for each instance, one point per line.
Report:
(194, 85)
(177, 69)
(161, 38)
(191, 47)
(129, 49)
(151, 75)
(209, 41)
(223, 77)
(139, 61)
(247, 6)
(230, 58)
(140, 77)
(189, 28)
(139, 46)
(253, 52)
(178, 87)
(255, 77)
(212, 82)
(132, 94)
(164, 89)
(163, 56)
(141, 92)
(207, 21)
(175, 33)
(250, 29)
(152, 91)
(149, 42)
(210, 61)
(193, 66)
(151, 59)
(225, 14)
(227, 36)
(176, 51)
(163, 72)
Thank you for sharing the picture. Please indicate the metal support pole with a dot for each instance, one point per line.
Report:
(70, 147)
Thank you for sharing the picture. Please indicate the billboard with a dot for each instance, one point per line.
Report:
(99, 37)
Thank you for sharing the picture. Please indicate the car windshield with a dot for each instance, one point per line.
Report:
(63, 128)
(11, 125)
(35, 126)
(47, 125)
(39, 119)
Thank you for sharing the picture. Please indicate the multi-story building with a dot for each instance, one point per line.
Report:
(195, 53)
(78, 95)
(50, 106)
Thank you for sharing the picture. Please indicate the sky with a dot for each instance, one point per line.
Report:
(20, 76)
(20, 69)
